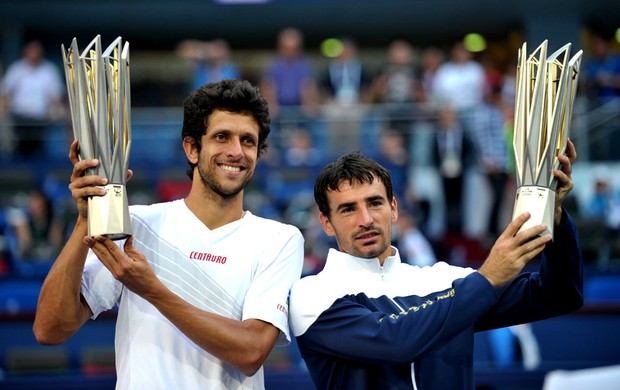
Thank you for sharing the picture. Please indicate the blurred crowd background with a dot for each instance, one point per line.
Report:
(427, 88)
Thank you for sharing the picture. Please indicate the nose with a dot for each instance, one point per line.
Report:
(235, 149)
(365, 217)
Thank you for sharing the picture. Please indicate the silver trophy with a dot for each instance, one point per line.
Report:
(99, 97)
(545, 92)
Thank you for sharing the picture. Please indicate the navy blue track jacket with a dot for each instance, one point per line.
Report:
(360, 325)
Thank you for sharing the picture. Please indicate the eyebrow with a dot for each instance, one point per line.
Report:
(345, 205)
(369, 199)
(227, 131)
(374, 198)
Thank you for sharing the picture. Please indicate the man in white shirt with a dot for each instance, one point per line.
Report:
(201, 285)
(31, 92)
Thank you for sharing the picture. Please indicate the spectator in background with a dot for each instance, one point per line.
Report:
(460, 84)
(289, 83)
(605, 201)
(432, 58)
(493, 75)
(392, 154)
(346, 81)
(4, 250)
(397, 87)
(453, 151)
(37, 230)
(345, 90)
(489, 137)
(514, 345)
(603, 208)
(291, 184)
(316, 244)
(301, 150)
(423, 137)
(509, 86)
(32, 95)
(415, 248)
(602, 71)
(210, 60)
(601, 79)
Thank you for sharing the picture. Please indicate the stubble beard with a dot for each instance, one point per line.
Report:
(374, 253)
(212, 185)
(383, 246)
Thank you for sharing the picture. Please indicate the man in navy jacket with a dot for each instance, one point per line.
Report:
(369, 321)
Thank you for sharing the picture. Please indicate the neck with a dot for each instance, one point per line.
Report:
(383, 257)
(215, 211)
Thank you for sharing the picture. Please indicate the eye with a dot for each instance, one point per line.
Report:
(249, 141)
(346, 209)
(219, 137)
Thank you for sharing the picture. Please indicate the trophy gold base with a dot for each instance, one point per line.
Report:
(108, 215)
(540, 203)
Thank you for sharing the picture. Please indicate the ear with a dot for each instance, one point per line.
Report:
(327, 226)
(394, 210)
(191, 150)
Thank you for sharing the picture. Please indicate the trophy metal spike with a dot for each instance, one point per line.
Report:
(545, 93)
(99, 97)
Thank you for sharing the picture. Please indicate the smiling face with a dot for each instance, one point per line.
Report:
(227, 159)
(361, 218)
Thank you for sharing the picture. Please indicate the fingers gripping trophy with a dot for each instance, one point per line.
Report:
(545, 92)
(99, 97)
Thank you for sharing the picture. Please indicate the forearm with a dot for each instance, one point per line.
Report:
(351, 330)
(61, 310)
(562, 270)
(554, 290)
(243, 344)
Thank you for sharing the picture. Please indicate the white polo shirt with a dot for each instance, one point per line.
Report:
(241, 270)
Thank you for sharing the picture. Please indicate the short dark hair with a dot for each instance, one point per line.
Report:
(231, 95)
(352, 167)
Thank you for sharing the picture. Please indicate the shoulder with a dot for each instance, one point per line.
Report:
(150, 208)
(306, 283)
(269, 226)
(49, 66)
(155, 210)
(17, 65)
(275, 64)
(421, 281)
(13, 72)
(309, 297)
(314, 289)
(453, 271)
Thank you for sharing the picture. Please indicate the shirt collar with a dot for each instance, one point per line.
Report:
(341, 260)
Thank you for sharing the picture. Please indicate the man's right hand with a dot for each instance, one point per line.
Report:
(83, 186)
(512, 251)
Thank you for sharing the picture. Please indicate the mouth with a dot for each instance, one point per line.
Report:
(367, 237)
(231, 168)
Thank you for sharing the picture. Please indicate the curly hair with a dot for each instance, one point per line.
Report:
(352, 167)
(232, 95)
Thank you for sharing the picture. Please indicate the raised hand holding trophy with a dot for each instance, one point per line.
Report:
(99, 97)
(545, 92)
